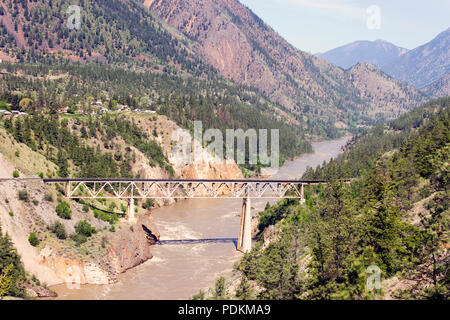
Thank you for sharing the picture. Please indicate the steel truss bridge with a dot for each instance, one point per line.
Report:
(182, 189)
(130, 189)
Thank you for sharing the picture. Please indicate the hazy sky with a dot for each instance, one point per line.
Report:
(320, 25)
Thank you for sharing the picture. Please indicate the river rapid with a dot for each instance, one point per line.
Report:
(178, 271)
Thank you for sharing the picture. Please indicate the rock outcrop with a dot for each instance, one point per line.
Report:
(126, 248)
(131, 247)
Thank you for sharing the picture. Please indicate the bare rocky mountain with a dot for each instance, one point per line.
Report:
(232, 39)
(425, 64)
(377, 52)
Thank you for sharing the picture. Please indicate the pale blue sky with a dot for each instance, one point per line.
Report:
(320, 25)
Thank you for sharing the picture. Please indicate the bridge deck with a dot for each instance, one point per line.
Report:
(63, 180)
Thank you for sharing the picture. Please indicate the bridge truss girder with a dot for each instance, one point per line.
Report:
(183, 190)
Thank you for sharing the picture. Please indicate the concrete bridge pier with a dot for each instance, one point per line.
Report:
(130, 211)
(245, 231)
(302, 194)
(67, 189)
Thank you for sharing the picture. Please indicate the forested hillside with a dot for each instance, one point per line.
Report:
(393, 217)
(216, 104)
(60, 143)
(365, 147)
(114, 32)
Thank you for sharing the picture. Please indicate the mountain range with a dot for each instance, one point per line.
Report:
(378, 53)
(423, 66)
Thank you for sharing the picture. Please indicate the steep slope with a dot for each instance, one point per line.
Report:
(242, 47)
(439, 88)
(425, 64)
(109, 32)
(375, 85)
(377, 52)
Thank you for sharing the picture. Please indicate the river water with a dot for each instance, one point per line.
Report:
(178, 271)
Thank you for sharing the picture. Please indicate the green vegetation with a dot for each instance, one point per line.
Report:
(100, 214)
(16, 174)
(148, 204)
(220, 291)
(23, 195)
(323, 249)
(78, 239)
(59, 230)
(12, 272)
(6, 280)
(53, 138)
(367, 146)
(33, 239)
(84, 228)
(48, 197)
(120, 126)
(63, 210)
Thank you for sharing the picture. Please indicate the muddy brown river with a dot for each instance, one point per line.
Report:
(178, 271)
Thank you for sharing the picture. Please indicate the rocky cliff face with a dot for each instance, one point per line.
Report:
(242, 47)
(127, 248)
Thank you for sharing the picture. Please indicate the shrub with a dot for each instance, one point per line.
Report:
(85, 208)
(17, 154)
(148, 204)
(63, 210)
(23, 195)
(48, 197)
(16, 174)
(112, 229)
(84, 228)
(35, 202)
(11, 214)
(59, 230)
(105, 216)
(78, 238)
(33, 239)
(104, 241)
(41, 175)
